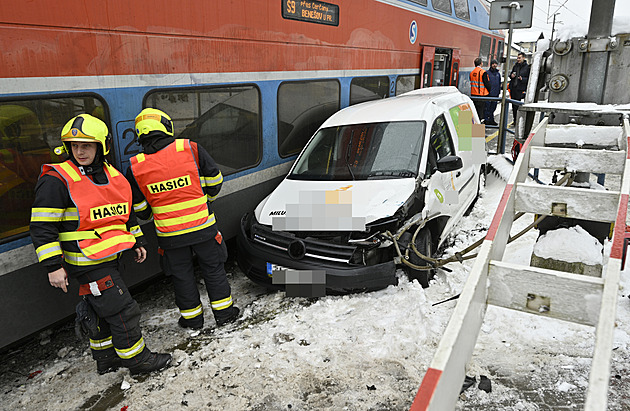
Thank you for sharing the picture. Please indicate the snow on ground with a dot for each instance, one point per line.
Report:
(359, 352)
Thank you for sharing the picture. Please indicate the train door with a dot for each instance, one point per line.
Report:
(442, 63)
(427, 65)
(454, 74)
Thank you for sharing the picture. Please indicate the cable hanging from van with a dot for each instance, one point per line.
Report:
(461, 255)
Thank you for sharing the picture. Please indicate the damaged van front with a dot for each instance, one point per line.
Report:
(375, 178)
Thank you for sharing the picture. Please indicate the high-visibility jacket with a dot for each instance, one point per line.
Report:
(172, 185)
(477, 88)
(103, 211)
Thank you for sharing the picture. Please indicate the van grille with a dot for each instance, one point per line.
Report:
(280, 240)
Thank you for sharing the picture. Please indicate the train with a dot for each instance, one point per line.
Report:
(250, 80)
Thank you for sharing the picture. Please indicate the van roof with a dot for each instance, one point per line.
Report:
(421, 104)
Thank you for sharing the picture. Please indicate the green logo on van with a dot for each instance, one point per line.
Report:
(439, 195)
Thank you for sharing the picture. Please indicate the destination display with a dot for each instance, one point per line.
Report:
(311, 11)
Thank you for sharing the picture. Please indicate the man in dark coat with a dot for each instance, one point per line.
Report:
(494, 78)
(518, 83)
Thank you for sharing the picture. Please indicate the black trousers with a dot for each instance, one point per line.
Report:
(516, 95)
(480, 106)
(119, 320)
(211, 256)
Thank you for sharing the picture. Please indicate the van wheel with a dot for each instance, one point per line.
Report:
(424, 244)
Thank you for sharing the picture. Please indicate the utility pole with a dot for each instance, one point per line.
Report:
(506, 70)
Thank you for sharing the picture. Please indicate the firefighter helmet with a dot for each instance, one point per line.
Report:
(84, 128)
(151, 119)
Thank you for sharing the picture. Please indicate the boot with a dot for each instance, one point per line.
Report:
(154, 362)
(108, 364)
(194, 325)
(230, 319)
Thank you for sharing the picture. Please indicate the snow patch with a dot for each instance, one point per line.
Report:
(581, 135)
(502, 164)
(573, 244)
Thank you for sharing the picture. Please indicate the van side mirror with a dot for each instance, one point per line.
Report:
(449, 163)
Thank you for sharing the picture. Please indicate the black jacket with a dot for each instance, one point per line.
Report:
(495, 82)
(521, 70)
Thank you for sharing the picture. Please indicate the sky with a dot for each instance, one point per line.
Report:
(569, 13)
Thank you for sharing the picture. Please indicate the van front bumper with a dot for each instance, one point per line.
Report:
(341, 277)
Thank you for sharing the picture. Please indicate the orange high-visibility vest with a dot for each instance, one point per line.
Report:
(103, 212)
(170, 181)
(477, 87)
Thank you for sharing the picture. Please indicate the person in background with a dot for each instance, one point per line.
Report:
(176, 181)
(494, 78)
(81, 221)
(479, 87)
(518, 81)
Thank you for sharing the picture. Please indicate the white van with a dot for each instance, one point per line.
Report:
(374, 176)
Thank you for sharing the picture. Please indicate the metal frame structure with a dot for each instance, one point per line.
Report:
(501, 283)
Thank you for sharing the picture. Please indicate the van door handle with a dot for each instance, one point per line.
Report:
(458, 174)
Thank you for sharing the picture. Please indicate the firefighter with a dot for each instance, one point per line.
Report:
(81, 221)
(176, 180)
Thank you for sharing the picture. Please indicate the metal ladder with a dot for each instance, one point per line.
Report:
(501, 283)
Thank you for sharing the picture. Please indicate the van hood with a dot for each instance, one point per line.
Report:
(371, 199)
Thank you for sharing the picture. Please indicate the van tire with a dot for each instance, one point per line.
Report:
(424, 244)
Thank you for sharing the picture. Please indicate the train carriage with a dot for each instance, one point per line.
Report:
(250, 80)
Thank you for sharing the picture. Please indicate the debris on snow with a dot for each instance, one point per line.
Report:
(565, 386)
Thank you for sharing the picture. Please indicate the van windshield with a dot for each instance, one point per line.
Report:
(362, 152)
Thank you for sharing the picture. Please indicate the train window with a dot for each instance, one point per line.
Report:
(368, 88)
(461, 9)
(29, 132)
(225, 120)
(407, 83)
(442, 5)
(302, 107)
(484, 49)
(500, 50)
(421, 2)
